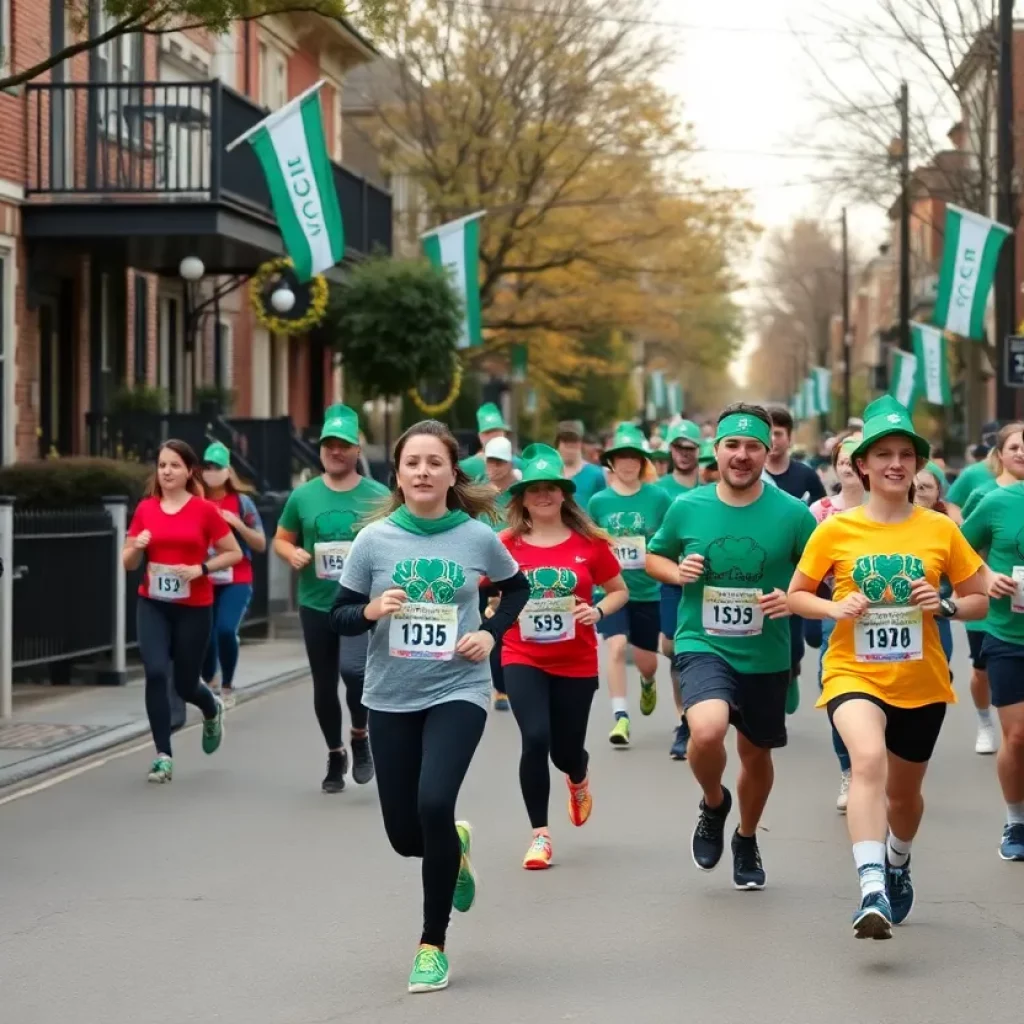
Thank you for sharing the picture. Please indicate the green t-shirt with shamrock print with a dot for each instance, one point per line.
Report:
(747, 551)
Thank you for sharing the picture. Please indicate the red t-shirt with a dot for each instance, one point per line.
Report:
(184, 538)
(573, 567)
(242, 572)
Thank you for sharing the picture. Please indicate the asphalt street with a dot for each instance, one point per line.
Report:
(242, 895)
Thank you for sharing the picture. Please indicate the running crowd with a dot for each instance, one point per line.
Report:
(485, 584)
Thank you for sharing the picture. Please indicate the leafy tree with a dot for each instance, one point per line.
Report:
(157, 17)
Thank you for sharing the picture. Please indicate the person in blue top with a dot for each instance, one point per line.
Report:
(588, 478)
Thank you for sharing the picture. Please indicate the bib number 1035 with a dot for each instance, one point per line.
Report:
(424, 632)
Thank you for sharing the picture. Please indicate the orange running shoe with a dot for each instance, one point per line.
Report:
(538, 856)
(581, 803)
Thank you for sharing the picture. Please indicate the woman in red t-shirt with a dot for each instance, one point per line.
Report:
(174, 528)
(550, 655)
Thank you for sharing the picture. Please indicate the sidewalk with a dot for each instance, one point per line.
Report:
(54, 726)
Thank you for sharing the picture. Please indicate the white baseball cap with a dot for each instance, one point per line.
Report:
(498, 448)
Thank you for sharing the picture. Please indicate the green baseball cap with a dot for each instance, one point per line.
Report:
(341, 422)
(684, 430)
(658, 454)
(628, 440)
(707, 453)
(218, 455)
(885, 417)
(542, 464)
(489, 417)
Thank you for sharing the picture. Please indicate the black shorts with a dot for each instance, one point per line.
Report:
(975, 641)
(1005, 664)
(910, 733)
(638, 621)
(757, 701)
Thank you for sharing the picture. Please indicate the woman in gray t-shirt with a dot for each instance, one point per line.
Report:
(413, 579)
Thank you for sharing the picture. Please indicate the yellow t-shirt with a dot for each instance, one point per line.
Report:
(893, 652)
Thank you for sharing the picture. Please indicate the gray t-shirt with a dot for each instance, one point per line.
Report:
(405, 666)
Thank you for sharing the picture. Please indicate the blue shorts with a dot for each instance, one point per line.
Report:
(637, 621)
(1005, 664)
(670, 597)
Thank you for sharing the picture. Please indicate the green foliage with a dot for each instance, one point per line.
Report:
(67, 482)
(213, 394)
(140, 398)
(395, 324)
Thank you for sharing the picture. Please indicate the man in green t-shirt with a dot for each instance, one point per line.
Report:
(968, 479)
(314, 534)
(684, 446)
(490, 424)
(733, 548)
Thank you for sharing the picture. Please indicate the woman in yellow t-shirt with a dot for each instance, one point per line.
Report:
(886, 682)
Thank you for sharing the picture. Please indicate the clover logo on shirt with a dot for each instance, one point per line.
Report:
(338, 524)
(625, 524)
(887, 579)
(735, 559)
(430, 580)
(551, 582)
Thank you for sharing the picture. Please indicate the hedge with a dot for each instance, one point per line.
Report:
(67, 482)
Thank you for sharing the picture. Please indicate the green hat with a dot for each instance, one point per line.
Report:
(489, 417)
(684, 430)
(661, 454)
(218, 455)
(707, 453)
(341, 422)
(885, 417)
(628, 440)
(542, 464)
(936, 471)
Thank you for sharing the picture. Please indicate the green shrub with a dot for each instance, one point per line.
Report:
(66, 482)
(140, 398)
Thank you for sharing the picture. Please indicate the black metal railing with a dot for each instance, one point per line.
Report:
(166, 140)
(263, 444)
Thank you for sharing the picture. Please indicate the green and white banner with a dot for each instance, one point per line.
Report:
(970, 252)
(822, 388)
(456, 247)
(675, 398)
(903, 386)
(291, 147)
(657, 392)
(932, 365)
(810, 398)
(797, 406)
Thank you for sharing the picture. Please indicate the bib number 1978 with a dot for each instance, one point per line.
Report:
(889, 634)
(424, 632)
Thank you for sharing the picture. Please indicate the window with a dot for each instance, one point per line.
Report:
(140, 328)
(273, 76)
(6, 373)
(225, 59)
(118, 62)
(5, 35)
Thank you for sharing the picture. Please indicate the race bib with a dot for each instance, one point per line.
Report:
(889, 633)
(329, 558)
(732, 611)
(221, 576)
(631, 552)
(547, 620)
(1017, 601)
(164, 585)
(424, 632)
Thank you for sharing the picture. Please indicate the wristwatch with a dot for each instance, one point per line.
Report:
(205, 568)
(600, 611)
(947, 607)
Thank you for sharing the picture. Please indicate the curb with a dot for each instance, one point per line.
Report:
(48, 761)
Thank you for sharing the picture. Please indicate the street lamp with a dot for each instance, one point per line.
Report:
(283, 299)
(191, 269)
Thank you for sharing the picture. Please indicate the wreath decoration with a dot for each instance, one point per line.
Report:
(310, 298)
(440, 408)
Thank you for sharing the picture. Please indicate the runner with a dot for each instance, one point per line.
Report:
(970, 477)
(733, 547)
(631, 511)
(232, 587)
(550, 655)
(660, 459)
(929, 485)
(173, 529)
(707, 460)
(851, 495)
(683, 442)
(994, 529)
(427, 680)
(314, 534)
(490, 425)
(887, 683)
(588, 478)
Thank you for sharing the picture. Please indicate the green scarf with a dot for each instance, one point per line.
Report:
(405, 520)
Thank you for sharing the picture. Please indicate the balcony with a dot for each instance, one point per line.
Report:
(140, 169)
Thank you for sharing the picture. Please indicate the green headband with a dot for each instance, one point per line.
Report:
(742, 424)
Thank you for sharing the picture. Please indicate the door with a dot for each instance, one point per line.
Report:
(56, 373)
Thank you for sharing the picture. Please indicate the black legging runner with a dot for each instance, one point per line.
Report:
(330, 657)
(421, 759)
(172, 633)
(552, 714)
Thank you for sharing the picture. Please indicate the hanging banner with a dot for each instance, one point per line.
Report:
(932, 365)
(456, 247)
(810, 398)
(822, 389)
(904, 379)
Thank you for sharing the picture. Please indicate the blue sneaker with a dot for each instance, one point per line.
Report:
(681, 742)
(900, 890)
(1012, 846)
(873, 919)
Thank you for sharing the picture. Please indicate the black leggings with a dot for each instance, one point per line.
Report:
(172, 633)
(552, 714)
(330, 658)
(421, 758)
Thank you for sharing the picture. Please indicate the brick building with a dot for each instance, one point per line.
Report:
(112, 171)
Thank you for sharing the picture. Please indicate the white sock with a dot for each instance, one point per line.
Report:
(898, 851)
(620, 704)
(869, 856)
(1015, 814)
(984, 716)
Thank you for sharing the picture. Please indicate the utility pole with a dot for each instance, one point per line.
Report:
(904, 106)
(847, 340)
(1006, 213)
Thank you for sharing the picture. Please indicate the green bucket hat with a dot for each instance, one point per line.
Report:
(885, 417)
(542, 464)
(707, 453)
(489, 417)
(628, 440)
(684, 430)
(218, 455)
(341, 422)
(936, 471)
(658, 454)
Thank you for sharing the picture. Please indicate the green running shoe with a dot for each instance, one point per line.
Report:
(619, 736)
(429, 970)
(213, 730)
(648, 695)
(161, 770)
(465, 886)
